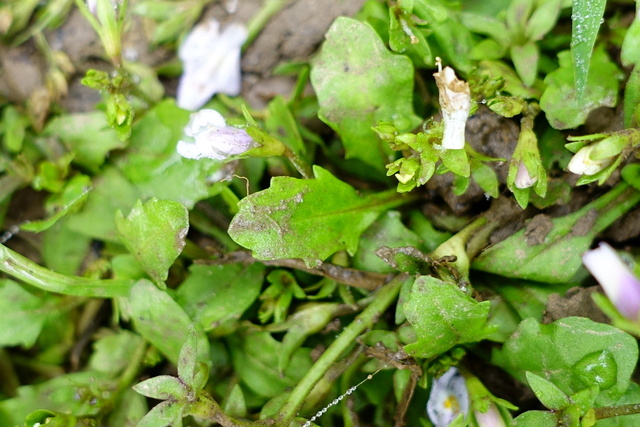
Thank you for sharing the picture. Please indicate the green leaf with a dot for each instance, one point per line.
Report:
(70, 200)
(525, 59)
(22, 315)
(159, 319)
(443, 317)
(283, 221)
(255, 359)
(213, 294)
(564, 106)
(72, 129)
(550, 250)
(234, 403)
(586, 17)
(388, 231)
(281, 123)
(111, 192)
(632, 98)
(360, 83)
(163, 387)
(191, 371)
(14, 128)
(535, 419)
(630, 54)
(551, 396)
(166, 413)
(566, 342)
(155, 234)
(113, 353)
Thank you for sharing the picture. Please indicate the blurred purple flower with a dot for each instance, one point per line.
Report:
(448, 398)
(616, 278)
(211, 63)
(212, 138)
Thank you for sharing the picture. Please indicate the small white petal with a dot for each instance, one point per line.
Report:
(618, 282)
(211, 62)
(202, 121)
(491, 418)
(582, 164)
(455, 101)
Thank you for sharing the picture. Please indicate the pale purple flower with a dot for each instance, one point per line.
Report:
(523, 178)
(211, 63)
(92, 5)
(619, 283)
(448, 398)
(212, 138)
(455, 101)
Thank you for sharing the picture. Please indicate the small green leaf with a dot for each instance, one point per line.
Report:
(630, 54)
(547, 392)
(586, 17)
(213, 294)
(72, 129)
(160, 320)
(281, 123)
(525, 59)
(564, 106)
(166, 413)
(535, 419)
(22, 315)
(234, 403)
(566, 342)
(360, 83)
(70, 200)
(443, 317)
(282, 221)
(155, 234)
(632, 98)
(163, 387)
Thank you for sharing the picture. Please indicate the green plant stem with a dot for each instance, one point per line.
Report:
(29, 272)
(261, 19)
(616, 411)
(365, 320)
(299, 163)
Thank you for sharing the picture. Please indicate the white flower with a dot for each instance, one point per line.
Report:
(523, 178)
(582, 164)
(455, 101)
(615, 277)
(212, 138)
(211, 62)
(448, 398)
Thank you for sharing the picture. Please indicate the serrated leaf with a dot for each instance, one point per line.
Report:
(586, 16)
(155, 234)
(284, 221)
(567, 108)
(360, 83)
(163, 387)
(443, 317)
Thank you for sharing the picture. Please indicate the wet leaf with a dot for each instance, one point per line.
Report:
(586, 16)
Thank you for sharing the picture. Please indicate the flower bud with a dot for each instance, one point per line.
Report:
(582, 164)
(448, 398)
(212, 138)
(523, 177)
(491, 418)
(616, 279)
(455, 101)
